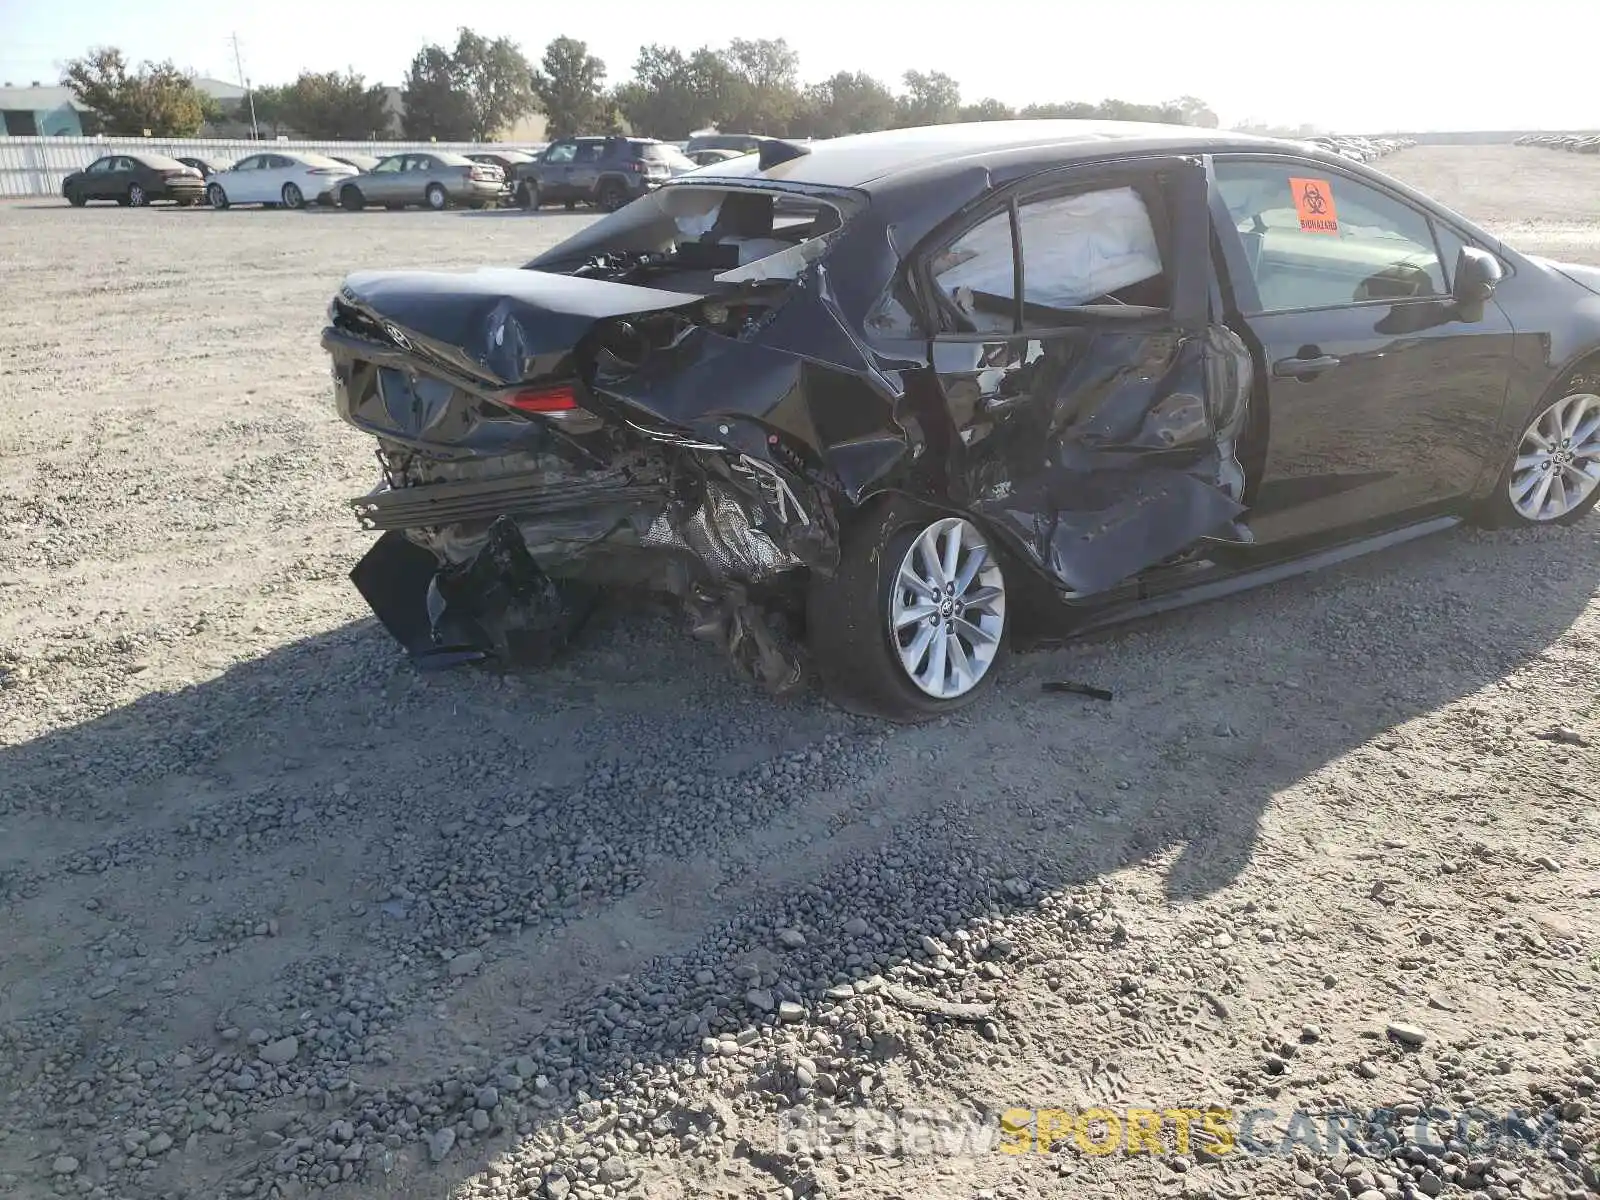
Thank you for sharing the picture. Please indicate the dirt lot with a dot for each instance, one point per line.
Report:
(278, 912)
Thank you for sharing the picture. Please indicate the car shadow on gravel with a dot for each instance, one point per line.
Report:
(593, 870)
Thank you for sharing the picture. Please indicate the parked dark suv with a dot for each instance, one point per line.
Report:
(607, 171)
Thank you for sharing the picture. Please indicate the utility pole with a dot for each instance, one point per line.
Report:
(238, 64)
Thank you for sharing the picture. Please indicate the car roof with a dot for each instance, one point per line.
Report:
(612, 137)
(152, 160)
(864, 159)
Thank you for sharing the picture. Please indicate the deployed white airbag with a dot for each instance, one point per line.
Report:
(1075, 249)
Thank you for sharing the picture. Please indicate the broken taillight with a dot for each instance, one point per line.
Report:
(543, 400)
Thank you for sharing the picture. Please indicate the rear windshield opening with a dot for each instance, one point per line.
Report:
(738, 235)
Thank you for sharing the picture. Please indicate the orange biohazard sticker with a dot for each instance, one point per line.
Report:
(1313, 202)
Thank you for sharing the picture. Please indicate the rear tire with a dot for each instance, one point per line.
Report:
(438, 199)
(218, 197)
(611, 196)
(884, 644)
(1543, 482)
(351, 199)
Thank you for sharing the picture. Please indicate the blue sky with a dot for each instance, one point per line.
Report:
(1343, 64)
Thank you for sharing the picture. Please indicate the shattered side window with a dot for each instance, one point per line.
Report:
(1096, 247)
(977, 274)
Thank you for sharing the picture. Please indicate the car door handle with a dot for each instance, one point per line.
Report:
(1299, 368)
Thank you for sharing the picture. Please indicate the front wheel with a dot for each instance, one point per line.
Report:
(351, 200)
(1553, 477)
(137, 197)
(913, 623)
(77, 199)
(436, 197)
(528, 195)
(293, 197)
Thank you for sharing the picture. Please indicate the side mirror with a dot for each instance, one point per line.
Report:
(1477, 274)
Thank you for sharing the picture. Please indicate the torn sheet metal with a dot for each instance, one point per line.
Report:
(734, 407)
(1102, 451)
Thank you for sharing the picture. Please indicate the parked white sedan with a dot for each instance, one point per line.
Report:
(291, 178)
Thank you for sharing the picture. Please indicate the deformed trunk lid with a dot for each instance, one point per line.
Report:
(496, 322)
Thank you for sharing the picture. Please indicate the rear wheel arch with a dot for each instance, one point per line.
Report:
(850, 614)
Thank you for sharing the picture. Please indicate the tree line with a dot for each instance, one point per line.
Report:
(474, 90)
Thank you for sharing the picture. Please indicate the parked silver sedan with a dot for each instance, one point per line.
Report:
(434, 178)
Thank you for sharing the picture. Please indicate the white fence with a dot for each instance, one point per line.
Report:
(35, 166)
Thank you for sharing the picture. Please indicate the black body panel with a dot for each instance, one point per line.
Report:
(1124, 452)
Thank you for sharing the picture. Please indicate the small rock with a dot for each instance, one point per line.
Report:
(1371, 1194)
(1310, 1033)
(1548, 863)
(466, 964)
(557, 1187)
(64, 1165)
(1178, 1163)
(487, 1097)
(855, 927)
(1366, 1069)
(281, 1051)
(160, 1144)
(1566, 735)
(790, 1011)
(1430, 1184)
(1406, 1035)
(760, 998)
(440, 1142)
(790, 939)
(479, 1120)
(930, 946)
(613, 1170)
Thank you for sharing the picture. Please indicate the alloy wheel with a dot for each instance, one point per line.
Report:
(291, 196)
(1558, 460)
(218, 197)
(947, 612)
(436, 197)
(136, 195)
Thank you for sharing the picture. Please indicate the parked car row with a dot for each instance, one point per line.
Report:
(606, 171)
(1362, 149)
(1578, 143)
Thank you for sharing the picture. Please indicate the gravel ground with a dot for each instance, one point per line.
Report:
(279, 915)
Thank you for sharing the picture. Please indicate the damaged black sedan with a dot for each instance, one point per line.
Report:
(883, 405)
